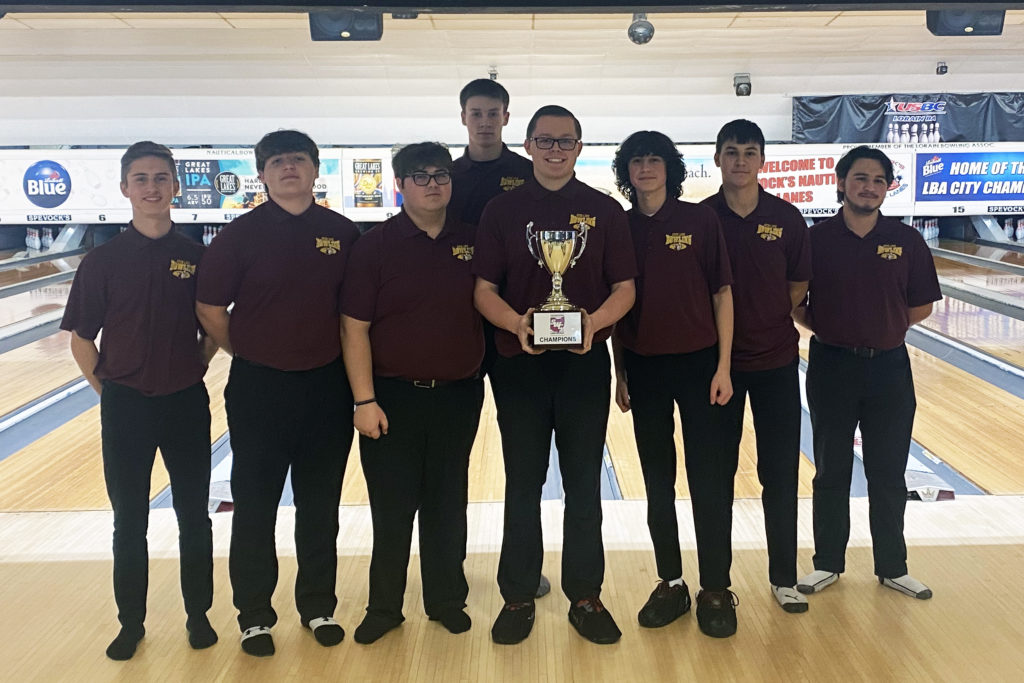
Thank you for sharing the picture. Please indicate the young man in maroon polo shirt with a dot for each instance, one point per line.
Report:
(770, 257)
(413, 344)
(674, 347)
(488, 167)
(874, 278)
(288, 400)
(537, 391)
(139, 288)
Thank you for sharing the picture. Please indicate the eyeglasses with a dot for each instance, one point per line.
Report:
(423, 179)
(565, 144)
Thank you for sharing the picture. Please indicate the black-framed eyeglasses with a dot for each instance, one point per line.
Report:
(422, 178)
(565, 144)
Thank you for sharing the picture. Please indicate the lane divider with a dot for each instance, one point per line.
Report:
(29, 285)
(41, 404)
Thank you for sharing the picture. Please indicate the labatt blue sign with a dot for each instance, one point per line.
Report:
(970, 176)
(47, 184)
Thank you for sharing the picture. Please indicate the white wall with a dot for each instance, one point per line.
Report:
(217, 79)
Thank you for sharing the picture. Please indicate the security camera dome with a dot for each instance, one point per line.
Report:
(640, 31)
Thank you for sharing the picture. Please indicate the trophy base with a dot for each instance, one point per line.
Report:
(558, 329)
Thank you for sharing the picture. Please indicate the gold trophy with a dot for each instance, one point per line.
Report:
(557, 324)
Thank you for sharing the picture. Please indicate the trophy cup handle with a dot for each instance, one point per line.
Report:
(584, 232)
(531, 244)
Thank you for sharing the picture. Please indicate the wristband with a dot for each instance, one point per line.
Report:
(363, 403)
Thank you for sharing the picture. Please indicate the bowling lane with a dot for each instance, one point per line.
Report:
(28, 372)
(37, 270)
(1010, 256)
(972, 425)
(966, 422)
(64, 470)
(29, 304)
(995, 334)
(999, 281)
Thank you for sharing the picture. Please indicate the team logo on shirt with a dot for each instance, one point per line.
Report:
(510, 182)
(890, 252)
(328, 245)
(677, 241)
(182, 269)
(582, 221)
(463, 252)
(769, 232)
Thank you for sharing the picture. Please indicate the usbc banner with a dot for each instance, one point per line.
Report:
(970, 182)
(913, 119)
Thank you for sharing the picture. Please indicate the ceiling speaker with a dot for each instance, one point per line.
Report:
(954, 22)
(346, 25)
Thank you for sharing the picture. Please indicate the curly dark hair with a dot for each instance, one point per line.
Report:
(644, 143)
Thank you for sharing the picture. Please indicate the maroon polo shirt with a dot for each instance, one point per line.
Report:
(503, 258)
(142, 293)
(284, 275)
(767, 250)
(417, 295)
(682, 261)
(474, 183)
(863, 286)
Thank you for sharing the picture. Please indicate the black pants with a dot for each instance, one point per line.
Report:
(490, 348)
(421, 464)
(569, 394)
(656, 384)
(133, 427)
(278, 419)
(775, 404)
(842, 391)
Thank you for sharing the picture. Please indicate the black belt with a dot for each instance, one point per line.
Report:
(430, 383)
(254, 364)
(858, 351)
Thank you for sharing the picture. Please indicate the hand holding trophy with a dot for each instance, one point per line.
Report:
(557, 324)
